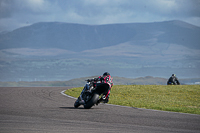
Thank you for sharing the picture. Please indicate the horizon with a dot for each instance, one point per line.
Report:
(102, 24)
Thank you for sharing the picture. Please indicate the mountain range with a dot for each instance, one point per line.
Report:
(63, 51)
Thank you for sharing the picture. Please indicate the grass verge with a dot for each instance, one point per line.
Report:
(180, 98)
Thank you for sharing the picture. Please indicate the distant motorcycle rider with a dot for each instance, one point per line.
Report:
(105, 78)
(173, 80)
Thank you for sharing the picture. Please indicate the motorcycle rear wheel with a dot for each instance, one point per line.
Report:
(92, 101)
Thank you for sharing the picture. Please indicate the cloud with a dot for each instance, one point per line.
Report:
(5, 8)
(16, 13)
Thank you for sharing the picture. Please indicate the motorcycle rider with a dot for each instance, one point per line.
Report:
(173, 80)
(105, 78)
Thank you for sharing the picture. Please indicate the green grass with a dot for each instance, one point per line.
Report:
(182, 98)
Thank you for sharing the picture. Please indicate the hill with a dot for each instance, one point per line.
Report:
(63, 51)
(79, 37)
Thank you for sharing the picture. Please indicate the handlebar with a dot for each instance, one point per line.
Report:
(90, 80)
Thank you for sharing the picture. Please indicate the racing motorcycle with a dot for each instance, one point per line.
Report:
(91, 95)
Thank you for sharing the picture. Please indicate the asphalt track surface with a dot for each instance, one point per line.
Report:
(45, 109)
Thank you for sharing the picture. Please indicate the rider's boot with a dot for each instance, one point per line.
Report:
(101, 99)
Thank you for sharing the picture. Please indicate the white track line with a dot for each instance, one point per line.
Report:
(63, 93)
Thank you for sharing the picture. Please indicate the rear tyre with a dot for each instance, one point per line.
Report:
(92, 101)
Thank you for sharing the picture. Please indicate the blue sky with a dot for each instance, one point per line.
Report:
(19, 13)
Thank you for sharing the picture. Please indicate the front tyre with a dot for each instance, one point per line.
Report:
(77, 104)
(92, 101)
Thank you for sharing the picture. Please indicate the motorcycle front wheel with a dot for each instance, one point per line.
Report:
(77, 104)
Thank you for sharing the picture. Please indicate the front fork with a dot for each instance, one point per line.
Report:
(88, 87)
